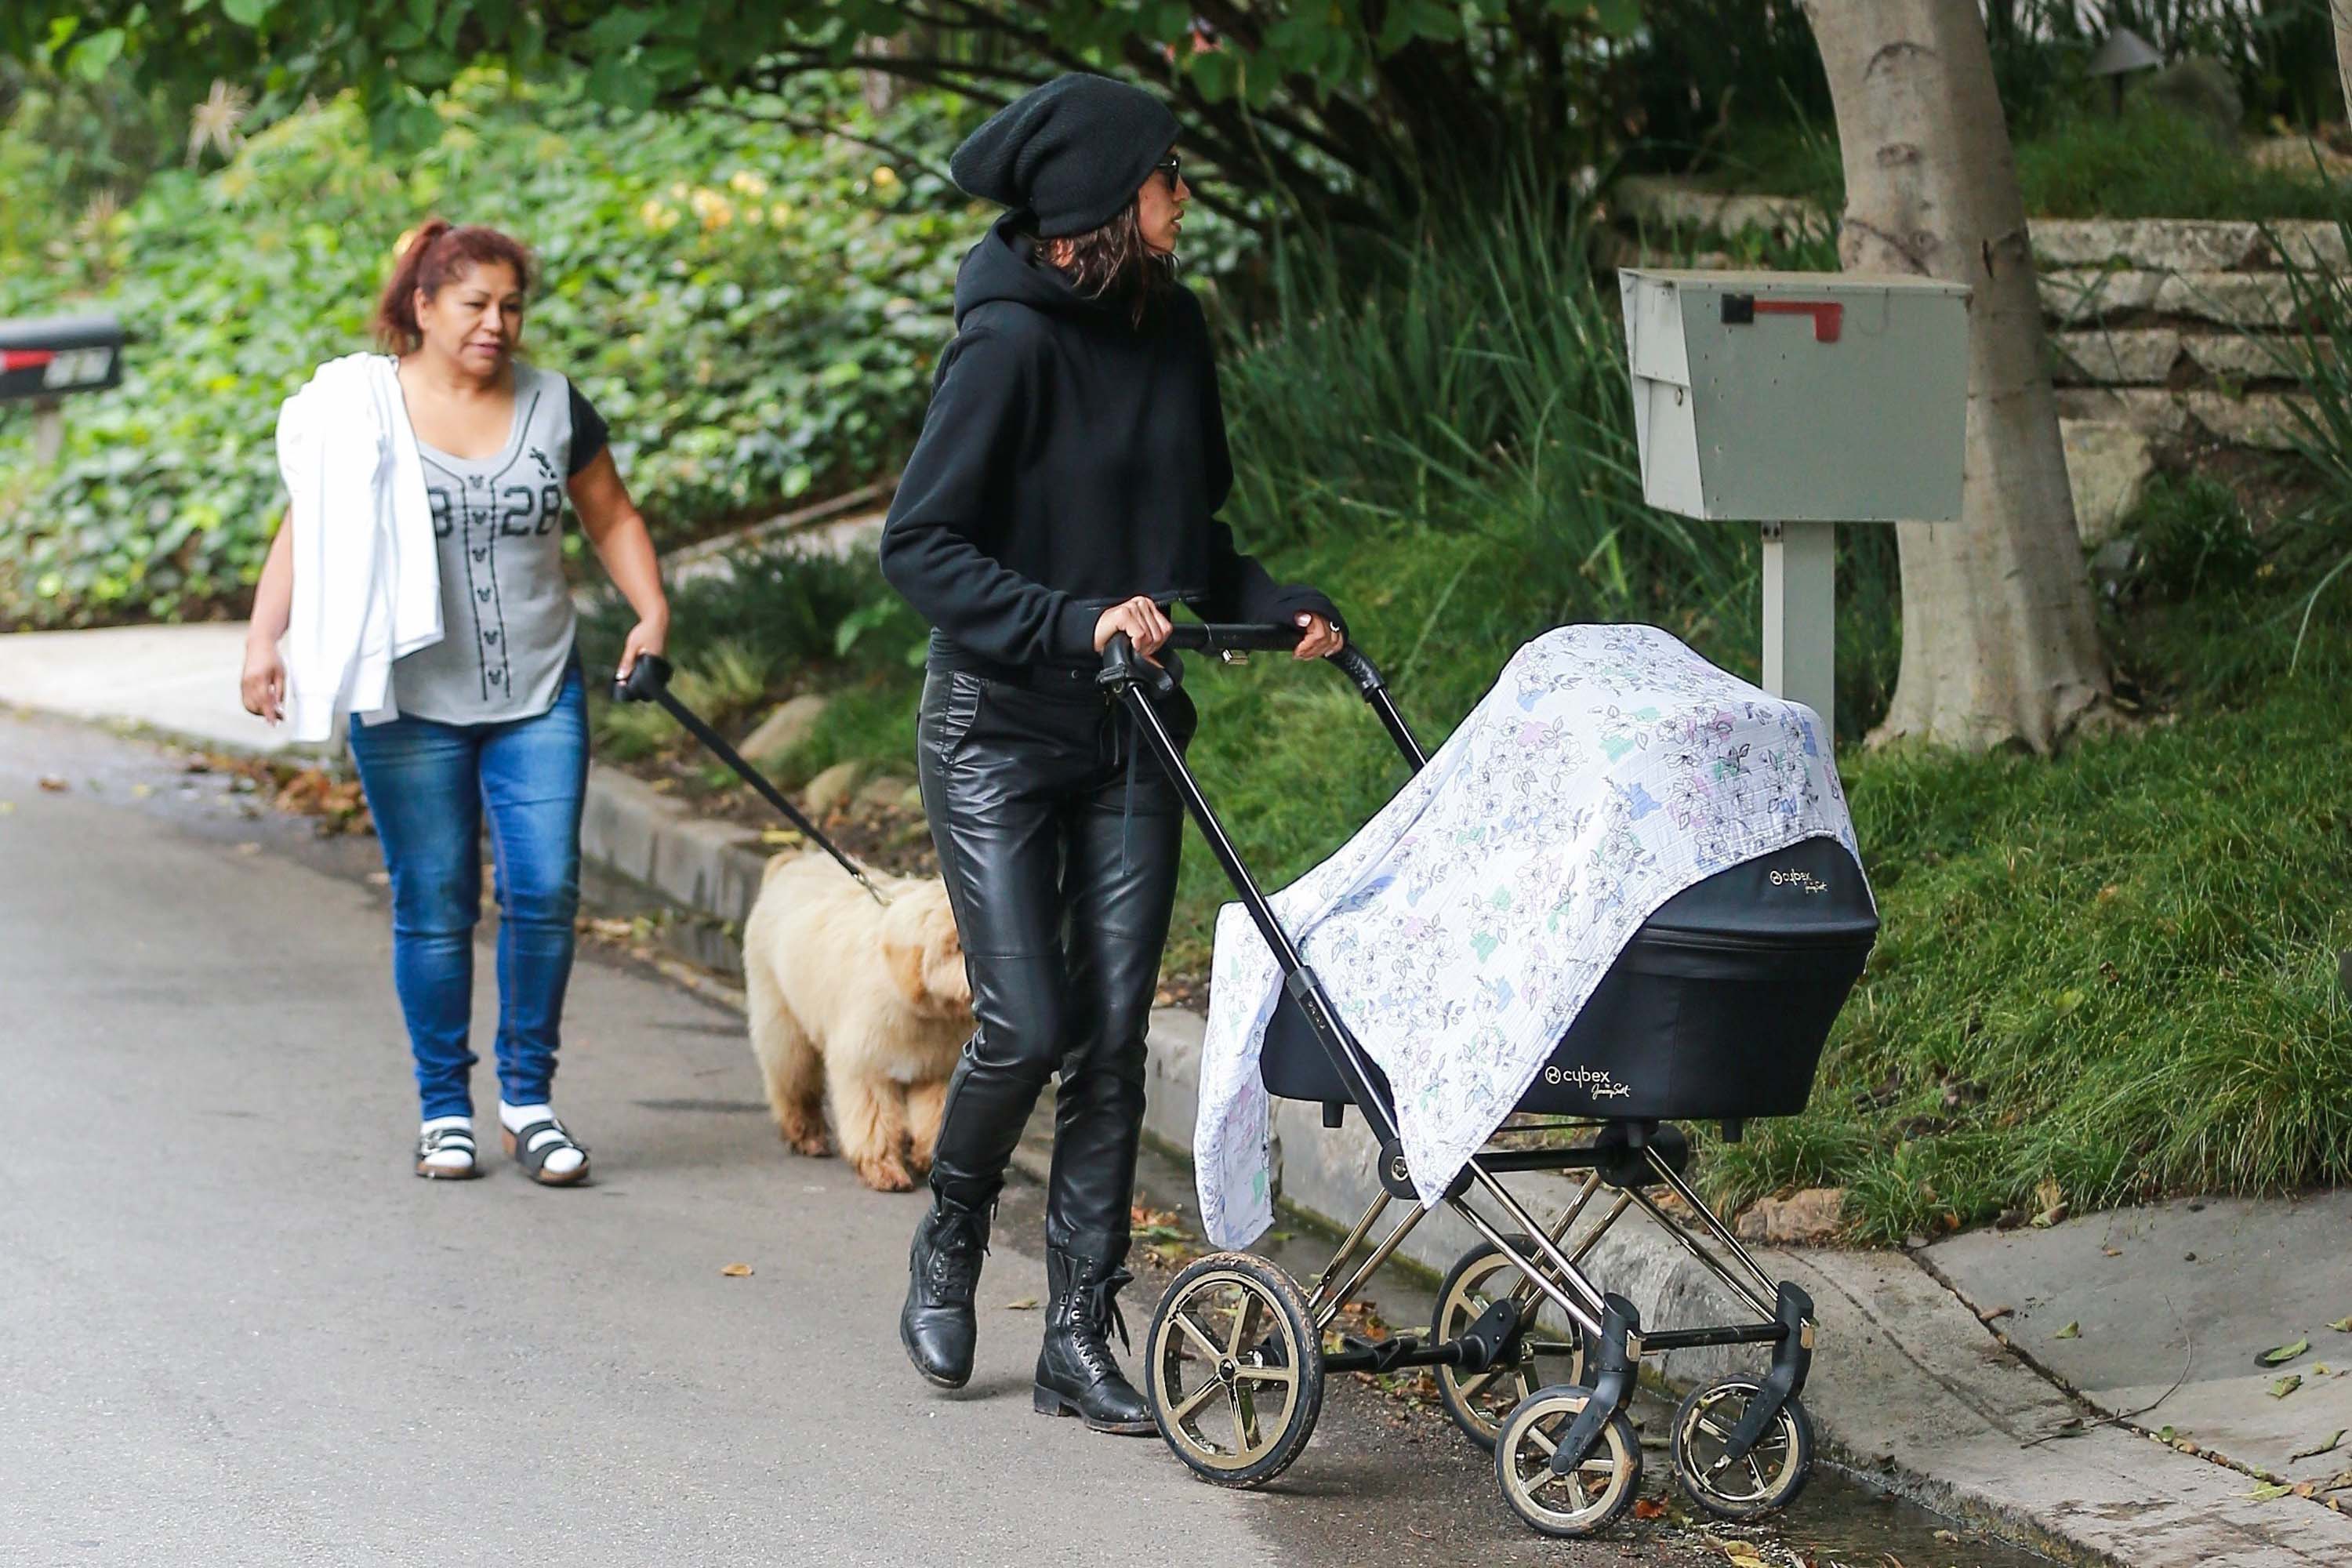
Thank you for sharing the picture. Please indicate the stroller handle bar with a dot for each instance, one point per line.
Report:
(1121, 664)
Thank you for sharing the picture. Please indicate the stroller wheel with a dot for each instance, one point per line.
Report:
(1581, 1503)
(1481, 1402)
(1771, 1475)
(1234, 1369)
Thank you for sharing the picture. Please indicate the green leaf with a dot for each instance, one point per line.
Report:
(2071, 1332)
(2286, 1386)
(621, 83)
(1618, 19)
(2329, 1446)
(2279, 1355)
(247, 13)
(95, 54)
(2342, 1325)
(2268, 1492)
(420, 14)
(617, 30)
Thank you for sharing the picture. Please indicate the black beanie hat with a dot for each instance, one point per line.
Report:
(1071, 154)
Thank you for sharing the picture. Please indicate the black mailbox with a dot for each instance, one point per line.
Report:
(58, 354)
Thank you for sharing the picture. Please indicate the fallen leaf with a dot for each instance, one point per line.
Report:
(1991, 1314)
(248, 847)
(2279, 1355)
(2329, 1446)
(1953, 1535)
(2268, 1491)
(2342, 1325)
(142, 791)
(2071, 1332)
(736, 1270)
(1649, 1508)
(2286, 1386)
(1747, 1556)
(53, 784)
(780, 835)
(2166, 1435)
(1026, 1304)
(2112, 1251)
(2305, 1488)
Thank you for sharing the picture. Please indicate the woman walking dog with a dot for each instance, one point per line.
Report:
(1064, 489)
(420, 576)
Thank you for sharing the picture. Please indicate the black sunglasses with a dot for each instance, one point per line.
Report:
(1171, 167)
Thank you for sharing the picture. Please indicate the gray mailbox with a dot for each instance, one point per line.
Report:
(1799, 400)
(44, 359)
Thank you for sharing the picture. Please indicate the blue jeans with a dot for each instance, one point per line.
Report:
(429, 786)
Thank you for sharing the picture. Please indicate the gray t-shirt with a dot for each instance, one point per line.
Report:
(507, 622)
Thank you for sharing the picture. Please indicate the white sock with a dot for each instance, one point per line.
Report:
(451, 1159)
(515, 1118)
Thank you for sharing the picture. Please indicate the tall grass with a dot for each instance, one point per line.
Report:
(2319, 357)
(2102, 977)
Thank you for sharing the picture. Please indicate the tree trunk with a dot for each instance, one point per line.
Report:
(1999, 642)
(2341, 12)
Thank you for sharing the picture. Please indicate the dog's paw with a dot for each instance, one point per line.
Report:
(887, 1173)
(809, 1141)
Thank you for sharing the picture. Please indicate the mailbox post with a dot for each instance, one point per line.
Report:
(1798, 401)
(45, 360)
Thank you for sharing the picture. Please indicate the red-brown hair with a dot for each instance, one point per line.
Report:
(439, 253)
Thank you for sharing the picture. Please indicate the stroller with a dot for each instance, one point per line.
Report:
(1724, 998)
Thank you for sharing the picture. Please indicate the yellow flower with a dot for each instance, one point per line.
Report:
(659, 218)
(749, 183)
(884, 177)
(715, 210)
(782, 213)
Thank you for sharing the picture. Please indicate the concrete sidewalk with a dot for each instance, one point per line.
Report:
(1909, 1386)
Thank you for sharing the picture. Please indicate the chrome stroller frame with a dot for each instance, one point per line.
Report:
(1568, 1460)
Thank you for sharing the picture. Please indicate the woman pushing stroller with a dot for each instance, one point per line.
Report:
(1064, 489)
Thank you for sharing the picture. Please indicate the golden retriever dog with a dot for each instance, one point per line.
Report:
(861, 1003)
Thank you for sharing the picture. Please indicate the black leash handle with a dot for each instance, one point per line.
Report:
(648, 682)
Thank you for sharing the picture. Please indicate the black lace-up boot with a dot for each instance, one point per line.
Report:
(937, 1324)
(1077, 1374)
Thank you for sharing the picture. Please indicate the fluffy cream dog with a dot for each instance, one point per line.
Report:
(858, 1003)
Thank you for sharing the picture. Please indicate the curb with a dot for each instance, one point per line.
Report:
(1910, 1392)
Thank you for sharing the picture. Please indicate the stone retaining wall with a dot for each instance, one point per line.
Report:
(2162, 330)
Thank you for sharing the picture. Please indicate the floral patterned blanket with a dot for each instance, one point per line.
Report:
(1463, 929)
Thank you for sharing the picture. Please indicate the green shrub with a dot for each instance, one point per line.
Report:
(2153, 162)
(2193, 536)
(755, 311)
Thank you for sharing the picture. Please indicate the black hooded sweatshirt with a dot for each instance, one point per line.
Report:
(1070, 460)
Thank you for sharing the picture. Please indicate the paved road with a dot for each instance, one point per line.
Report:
(234, 1329)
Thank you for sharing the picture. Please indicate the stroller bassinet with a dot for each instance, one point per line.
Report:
(1715, 1011)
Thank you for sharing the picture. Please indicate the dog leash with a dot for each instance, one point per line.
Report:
(648, 682)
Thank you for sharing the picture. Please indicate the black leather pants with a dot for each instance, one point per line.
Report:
(1058, 833)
